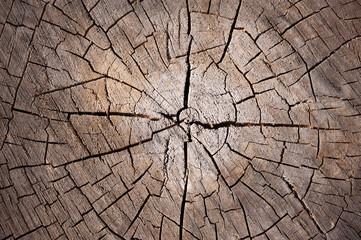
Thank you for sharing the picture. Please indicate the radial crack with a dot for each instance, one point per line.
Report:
(230, 32)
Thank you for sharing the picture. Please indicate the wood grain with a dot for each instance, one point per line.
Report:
(180, 119)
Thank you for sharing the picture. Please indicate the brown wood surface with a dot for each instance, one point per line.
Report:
(180, 119)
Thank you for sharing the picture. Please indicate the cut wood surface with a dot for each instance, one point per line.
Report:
(180, 119)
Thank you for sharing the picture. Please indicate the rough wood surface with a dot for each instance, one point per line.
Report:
(180, 119)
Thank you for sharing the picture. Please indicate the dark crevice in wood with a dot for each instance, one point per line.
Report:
(107, 114)
(251, 124)
(116, 150)
(231, 32)
(188, 76)
(184, 200)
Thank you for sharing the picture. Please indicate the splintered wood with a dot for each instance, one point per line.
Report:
(180, 119)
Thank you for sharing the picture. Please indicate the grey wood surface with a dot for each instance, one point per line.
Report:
(180, 119)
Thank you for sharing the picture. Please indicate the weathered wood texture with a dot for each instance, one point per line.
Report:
(176, 119)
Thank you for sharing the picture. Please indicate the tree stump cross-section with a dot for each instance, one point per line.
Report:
(180, 119)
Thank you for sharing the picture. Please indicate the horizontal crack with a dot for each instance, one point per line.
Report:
(250, 124)
(107, 114)
(118, 149)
